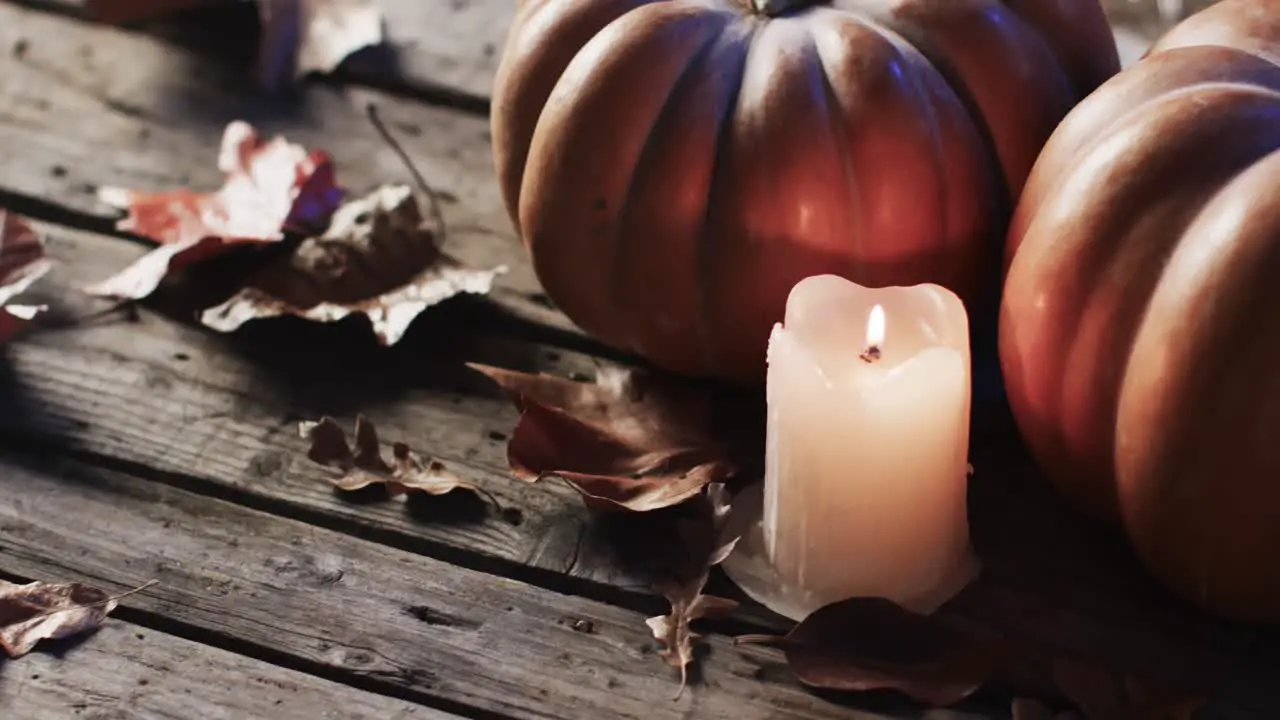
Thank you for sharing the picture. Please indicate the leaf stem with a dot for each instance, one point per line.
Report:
(432, 196)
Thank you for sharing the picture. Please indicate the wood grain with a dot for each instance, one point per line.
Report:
(222, 412)
(218, 415)
(130, 672)
(333, 604)
(73, 89)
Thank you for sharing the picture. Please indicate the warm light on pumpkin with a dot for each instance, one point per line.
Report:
(674, 169)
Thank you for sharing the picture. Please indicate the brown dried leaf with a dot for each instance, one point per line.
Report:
(865, 644)
(364, 466)
(305, 36)
(271, 187)
(22, 262)
(47, 611)
(628, 441)
(673, 630)
(378, 257)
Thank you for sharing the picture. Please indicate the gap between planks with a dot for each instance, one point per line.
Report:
(217, 414)
(359, 612)
(134, 671)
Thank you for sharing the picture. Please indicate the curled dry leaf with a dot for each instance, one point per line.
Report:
(628, 441)
(22, 262)
(306, 36)
(271, 187)
(378, 258)
(47, 611)
(874, 644)
(708, 536)
(673, 630)
(364, 465)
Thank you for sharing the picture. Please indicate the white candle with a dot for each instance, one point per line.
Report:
(867, 455)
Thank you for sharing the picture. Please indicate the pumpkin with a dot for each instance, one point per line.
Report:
(674, 167)
(1140, 327)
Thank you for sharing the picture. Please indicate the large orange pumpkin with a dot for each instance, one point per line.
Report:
(1140, 329)
(676, 166)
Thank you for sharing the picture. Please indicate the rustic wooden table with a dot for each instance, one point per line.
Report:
(138, 446)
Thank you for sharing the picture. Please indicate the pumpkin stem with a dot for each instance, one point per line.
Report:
(774, 8)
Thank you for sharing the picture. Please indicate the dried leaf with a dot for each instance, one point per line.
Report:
(305, 36)
(22, 262)
(628, 441)
(865, 644)
(364, 465)
(673, 630)
(47, 611)
(378, 257)
(271, 187)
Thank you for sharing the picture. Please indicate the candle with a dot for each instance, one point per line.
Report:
(867, 452)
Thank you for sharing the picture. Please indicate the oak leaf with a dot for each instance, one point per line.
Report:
(48, 611)
(379, 257)
(673, 630)
(628, 441)
(271, 187)
(22, 263)
(364, 466)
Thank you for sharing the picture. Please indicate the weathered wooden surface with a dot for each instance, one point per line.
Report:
(129, 672)
(343, 606)
(139, 445)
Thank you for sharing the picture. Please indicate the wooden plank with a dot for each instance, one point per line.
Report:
(315, 599)
(217, 414)
(74, 89)
(128, 671)
(222, 411)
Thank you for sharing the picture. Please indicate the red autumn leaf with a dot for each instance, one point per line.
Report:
(628, 441)
(47, 611)
(364, 465)
(271, 187)
(378, 257)
(22, 262)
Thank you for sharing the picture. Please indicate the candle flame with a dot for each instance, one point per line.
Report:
(875, 327)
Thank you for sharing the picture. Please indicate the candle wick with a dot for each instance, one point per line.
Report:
(871, 354)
